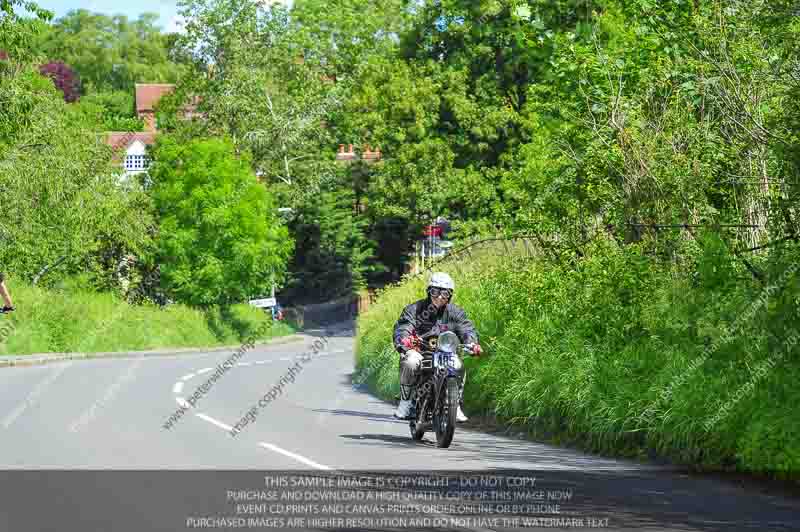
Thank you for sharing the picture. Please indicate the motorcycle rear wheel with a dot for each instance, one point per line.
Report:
(447, 410)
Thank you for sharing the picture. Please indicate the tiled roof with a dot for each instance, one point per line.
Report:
(148, 94)
(120, 140)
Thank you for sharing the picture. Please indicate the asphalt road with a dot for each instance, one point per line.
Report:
(100, 415)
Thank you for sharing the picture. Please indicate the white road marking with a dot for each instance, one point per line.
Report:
(178, 387)
(35, 393)
(187, 377)
(269, 446)
(294, 456)
(302, 459)
(204, 370)
(215, 422)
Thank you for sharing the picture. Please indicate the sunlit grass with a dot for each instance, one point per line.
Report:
(582, 354)
(84, 321)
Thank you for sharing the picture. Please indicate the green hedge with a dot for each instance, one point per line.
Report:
(622, 354)
(84, 321)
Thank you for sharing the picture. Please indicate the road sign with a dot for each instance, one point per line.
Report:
(263, 303)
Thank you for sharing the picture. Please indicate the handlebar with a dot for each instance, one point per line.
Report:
(419, 343)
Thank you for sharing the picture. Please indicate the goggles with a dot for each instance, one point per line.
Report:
(444, 292)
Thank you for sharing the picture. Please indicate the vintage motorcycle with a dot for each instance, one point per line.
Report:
(437, 395)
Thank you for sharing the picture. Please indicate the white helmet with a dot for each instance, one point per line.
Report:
(441, 280)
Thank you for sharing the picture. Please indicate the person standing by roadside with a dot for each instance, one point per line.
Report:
(9, 304)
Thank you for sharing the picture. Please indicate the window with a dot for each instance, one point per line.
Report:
(136, 163)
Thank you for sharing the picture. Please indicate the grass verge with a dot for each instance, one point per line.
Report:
(622, 354)
(88, 322)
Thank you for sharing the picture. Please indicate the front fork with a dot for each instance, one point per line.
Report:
(454, 369)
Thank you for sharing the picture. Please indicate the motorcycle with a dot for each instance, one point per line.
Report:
(437, 397)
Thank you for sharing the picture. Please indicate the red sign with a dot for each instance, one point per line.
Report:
(432, 230)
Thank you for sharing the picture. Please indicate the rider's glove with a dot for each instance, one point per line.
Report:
(407, 342)
(477, 350)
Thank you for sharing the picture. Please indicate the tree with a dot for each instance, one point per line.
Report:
(339, 35)
(18, 33)
(254, 87)
(115, 110)
(332, 253)
(64, 79)
(220, 240)
(63, 201)
(111, 53)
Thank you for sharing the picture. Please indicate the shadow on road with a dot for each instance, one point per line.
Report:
(387, 438)
(369, 416)
(338, 328)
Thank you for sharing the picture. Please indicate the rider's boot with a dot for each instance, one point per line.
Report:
(406, 403)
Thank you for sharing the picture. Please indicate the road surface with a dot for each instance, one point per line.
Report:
(204, 472)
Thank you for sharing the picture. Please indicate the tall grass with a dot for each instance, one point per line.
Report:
(85, 321)
(581, 352)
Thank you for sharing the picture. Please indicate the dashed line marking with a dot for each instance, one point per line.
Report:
(294, 456)
(210, 419)
(178, 388)
(269, 446)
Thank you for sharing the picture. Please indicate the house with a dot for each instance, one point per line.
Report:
(368, 155)
(130, 147)
(147, 97)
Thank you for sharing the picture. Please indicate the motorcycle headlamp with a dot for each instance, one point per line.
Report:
(448, 342)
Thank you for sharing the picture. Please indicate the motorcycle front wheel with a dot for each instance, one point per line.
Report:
(446, 411)
(417, 422)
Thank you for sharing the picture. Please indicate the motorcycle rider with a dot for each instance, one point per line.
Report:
(420, 318)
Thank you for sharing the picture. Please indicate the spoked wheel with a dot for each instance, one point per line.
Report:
(445, 418)
(417, 422)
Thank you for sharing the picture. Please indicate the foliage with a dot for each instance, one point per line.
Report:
(47, 321)
(339, 35)
(64, 79)
(668, 114)
(583, 353)
(331, 251)
(17, 32)
(260, 93)
(649, 146)
(220, 240)
(257, 84)
(115, 110)
(63, 200)
(111, 53)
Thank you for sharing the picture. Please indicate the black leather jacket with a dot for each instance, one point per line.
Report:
(448, 318)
